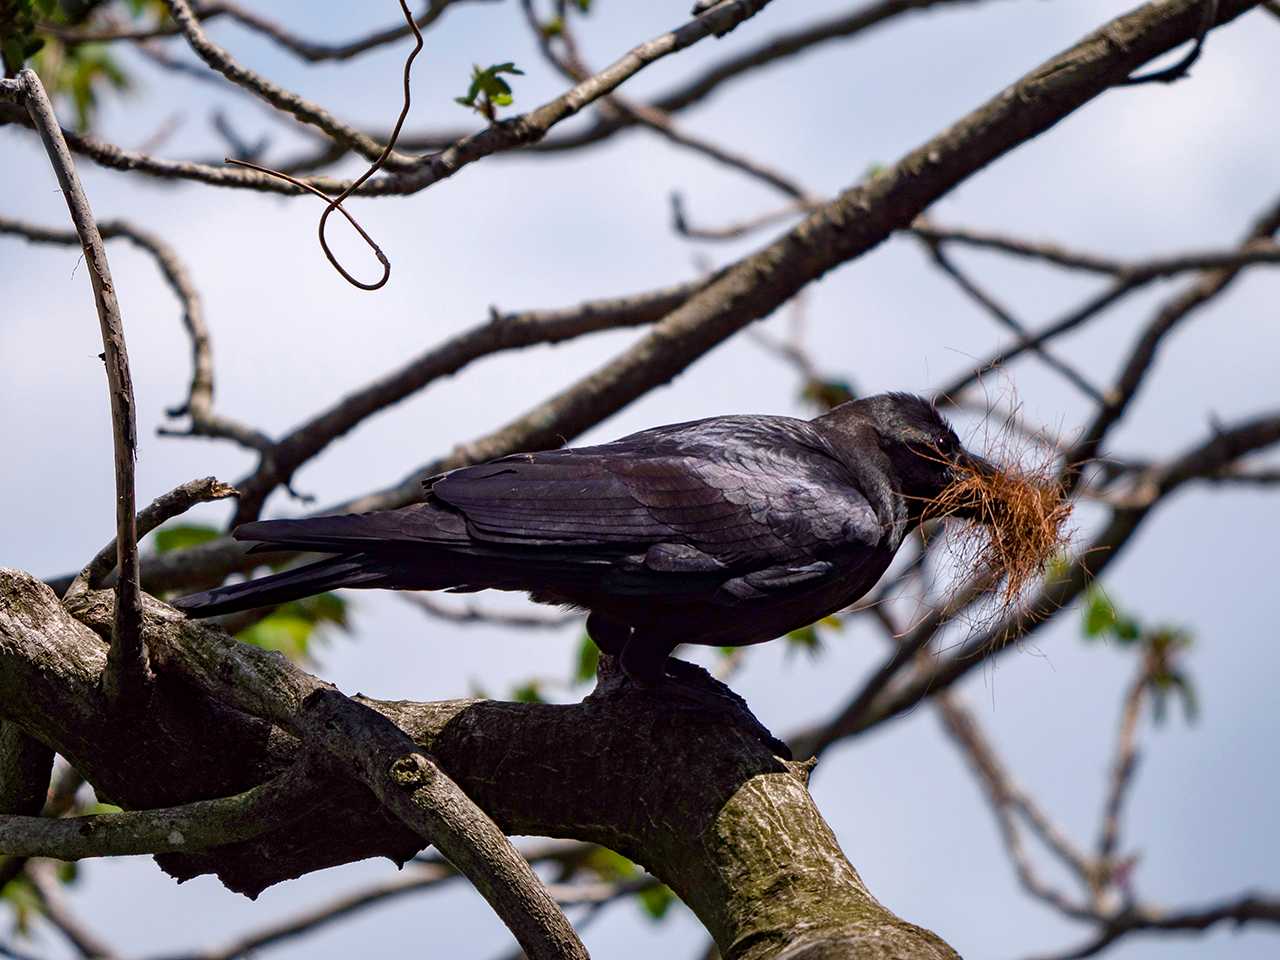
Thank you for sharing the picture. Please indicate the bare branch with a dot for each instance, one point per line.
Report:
(128, 674)
(1130, 280)
(470, 614)
(193, 826)
(304, 110)
(1122, 768)
(165, 507)
(1250, 907)
(503, 331)
(1004, 797)
(199, 404)
(43, 876)
(1170, 315)
(505, 135)
(309, 50)
(1005, 318)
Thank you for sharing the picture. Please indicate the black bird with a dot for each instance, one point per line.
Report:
(726, 531)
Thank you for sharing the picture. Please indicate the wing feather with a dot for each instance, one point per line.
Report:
(747, 493)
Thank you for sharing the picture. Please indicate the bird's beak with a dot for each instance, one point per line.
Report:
(963, 470)
(969, 463)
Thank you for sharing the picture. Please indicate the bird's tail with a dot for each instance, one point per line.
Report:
(371, 549)
(351, 570)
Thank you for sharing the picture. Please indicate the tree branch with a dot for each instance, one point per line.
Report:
(703, 829)
(126, 680)
(843, 229)
(193, 826)
(165, 507)
(503, 331)
(309, 50)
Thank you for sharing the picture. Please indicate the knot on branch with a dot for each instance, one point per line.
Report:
(411, 772)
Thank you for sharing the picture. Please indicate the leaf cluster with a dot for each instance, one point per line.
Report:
(1160, 646)
(488, 90)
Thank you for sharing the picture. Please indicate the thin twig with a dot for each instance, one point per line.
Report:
(517, 132)
(165, 507)
(223, 62)
(470, 614)
(310, 51)
(1123, 766)
(199, 403)
(336, 202)
(962, 727)
(1005, 318)
(1180, 69)
(128, 672)
(87, 943)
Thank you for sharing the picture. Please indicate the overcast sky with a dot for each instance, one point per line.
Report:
(1140, 171)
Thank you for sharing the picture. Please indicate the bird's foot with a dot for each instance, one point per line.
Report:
(701, 691)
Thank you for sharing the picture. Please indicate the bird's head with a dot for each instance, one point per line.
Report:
(1019, 516)
(920, 446)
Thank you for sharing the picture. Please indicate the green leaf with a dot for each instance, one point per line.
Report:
(656, 901)
(610, 866)
(98, 808)
(488, 89)
(1099, 614)
(294, 627)
(281, 632)
(1187, 694)
(181, 536)
(806, 639)
(826, 393)
(587, 661)
(530, 692)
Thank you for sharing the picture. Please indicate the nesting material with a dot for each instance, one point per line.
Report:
(1017, 522)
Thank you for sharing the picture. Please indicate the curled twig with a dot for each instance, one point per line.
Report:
(335, 203)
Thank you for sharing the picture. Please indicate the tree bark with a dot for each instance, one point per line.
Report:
(695, 797)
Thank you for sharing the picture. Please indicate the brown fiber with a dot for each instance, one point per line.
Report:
(1017, 522)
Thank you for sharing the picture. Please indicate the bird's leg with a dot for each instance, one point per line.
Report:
(644, 658)
(609, 635)
(647, 660)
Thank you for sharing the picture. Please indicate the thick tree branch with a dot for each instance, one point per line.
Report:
(704, 829)
(25, 768)
(380, 754)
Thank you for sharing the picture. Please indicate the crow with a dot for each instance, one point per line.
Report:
(725, 531)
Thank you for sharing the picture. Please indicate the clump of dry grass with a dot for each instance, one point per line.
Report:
(1016, 517)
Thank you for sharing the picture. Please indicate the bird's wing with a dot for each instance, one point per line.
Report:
(731, 493)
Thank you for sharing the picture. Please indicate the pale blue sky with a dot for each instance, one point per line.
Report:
(1139, 171)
